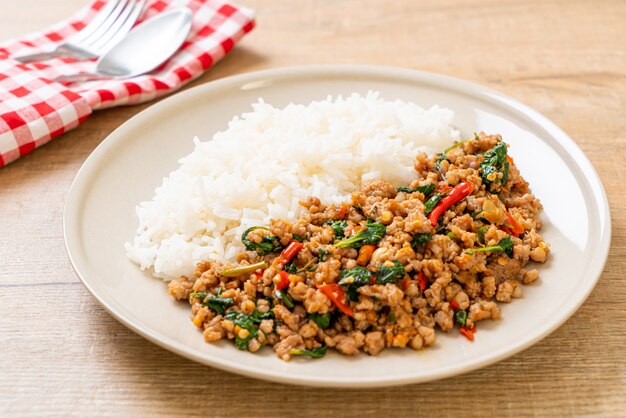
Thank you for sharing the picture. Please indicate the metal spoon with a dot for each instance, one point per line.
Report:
(145, 48)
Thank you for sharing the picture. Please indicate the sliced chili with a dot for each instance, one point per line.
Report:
(365, 253)
(468, 332)
(422, 280)
(510, 159)
(507, 230)
(343, 209)
(454, 305)
(458, 193)
(283, 281)
(515, 228)
(288, 253)
(336, 294)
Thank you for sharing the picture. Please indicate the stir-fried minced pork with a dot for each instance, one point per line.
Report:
(385, 270)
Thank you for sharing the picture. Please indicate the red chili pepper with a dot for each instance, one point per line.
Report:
(288, 253)
(468, 332)
(343, 209)
(505, 229)
(284, 280)
(510, 160)
(422, 280)
(336, 294)
(454, 305)
(460, 192)
(404, 284)
(515, 228)
(365, 253)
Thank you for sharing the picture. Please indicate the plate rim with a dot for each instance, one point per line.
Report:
(72, 207)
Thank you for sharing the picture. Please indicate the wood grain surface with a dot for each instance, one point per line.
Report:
(63, 355)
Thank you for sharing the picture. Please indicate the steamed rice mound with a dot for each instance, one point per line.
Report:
(269, 160)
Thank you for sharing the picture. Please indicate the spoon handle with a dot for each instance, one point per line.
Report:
(25, 59)
(79, 77)
(60, 51)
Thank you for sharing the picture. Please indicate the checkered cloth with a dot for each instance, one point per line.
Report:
(34, 109)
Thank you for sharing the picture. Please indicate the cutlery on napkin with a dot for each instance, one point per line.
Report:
(35, 109)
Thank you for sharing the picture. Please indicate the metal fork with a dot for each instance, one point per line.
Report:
(109, 26)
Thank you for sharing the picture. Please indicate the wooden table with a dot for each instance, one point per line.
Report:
(63, 355)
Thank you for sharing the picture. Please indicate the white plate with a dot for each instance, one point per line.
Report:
(124, 170)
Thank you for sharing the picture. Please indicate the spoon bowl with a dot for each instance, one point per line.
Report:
(145, 48)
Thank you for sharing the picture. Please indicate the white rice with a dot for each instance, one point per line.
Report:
(270, 159)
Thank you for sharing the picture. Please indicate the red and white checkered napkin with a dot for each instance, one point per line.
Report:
(34, 109)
